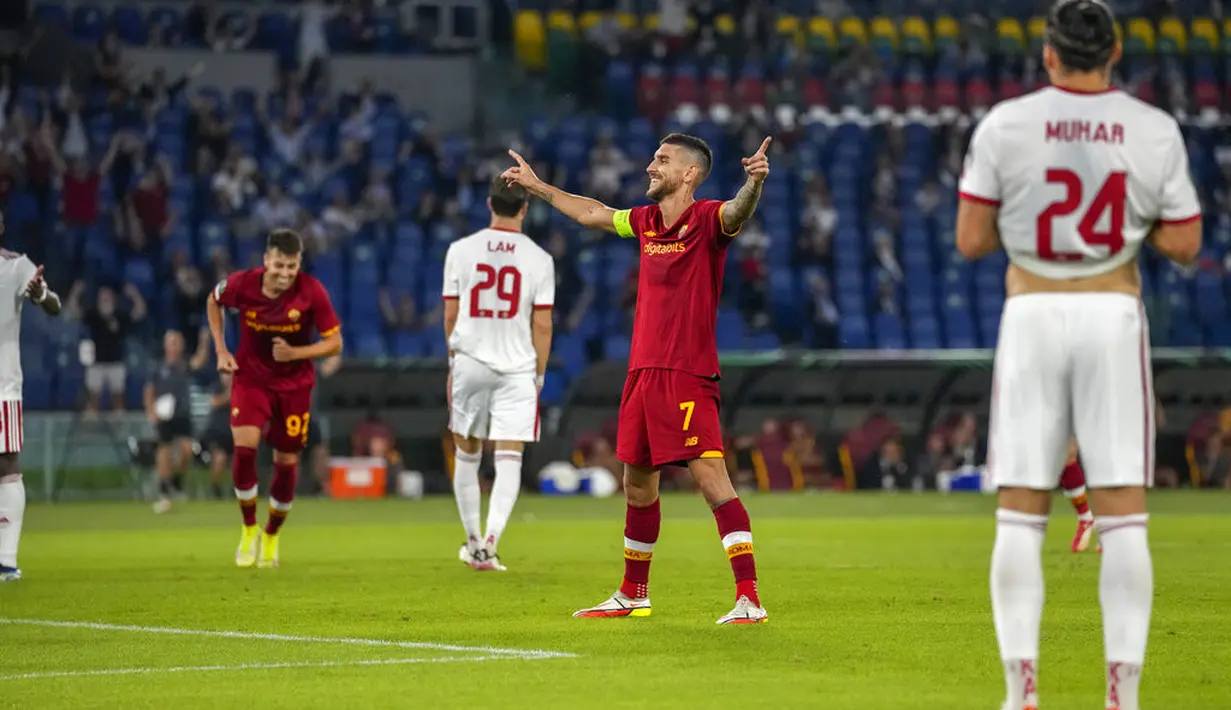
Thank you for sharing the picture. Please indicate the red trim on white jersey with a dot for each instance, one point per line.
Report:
(980, 200)
(1185, 220)
(10, 427)
(1080, 92)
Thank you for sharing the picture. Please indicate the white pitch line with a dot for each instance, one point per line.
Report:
(423, 645)
(251, 667)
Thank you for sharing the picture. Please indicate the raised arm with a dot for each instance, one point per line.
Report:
(735, 211)
(583, 210)
(44, 297)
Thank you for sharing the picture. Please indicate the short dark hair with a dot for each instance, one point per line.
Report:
(286, 241)
(1083, 33)
(696, 145)
(507, 200)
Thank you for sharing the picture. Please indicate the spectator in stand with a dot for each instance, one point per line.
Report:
(1208, 448)
(754, 273)
(313, 42)
(156, 93)
(822, 310)
(234, 184)
(340, 221)
(208, 132)
(232, 32)
(109, 62)
(150, 218)
(886, 257)
(887, 470)
(608, 168)
(108, 326)
(275, 209)
(398, 311)
(573, 295)
(79, 192)
(189, 313)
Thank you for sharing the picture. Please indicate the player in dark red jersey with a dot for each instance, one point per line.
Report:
(669, 408)
(278, 307)
(1073, 483)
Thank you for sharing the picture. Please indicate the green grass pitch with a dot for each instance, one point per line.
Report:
(876, 602)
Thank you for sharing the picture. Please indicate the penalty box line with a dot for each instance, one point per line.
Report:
(485, 651)
(150, 670)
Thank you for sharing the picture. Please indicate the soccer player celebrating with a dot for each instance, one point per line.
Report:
(669, 408)
(1070, 180)
(20, 280)
(499, 287)
(278, 307)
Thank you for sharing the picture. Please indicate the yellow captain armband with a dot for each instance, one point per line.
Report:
(623, 224)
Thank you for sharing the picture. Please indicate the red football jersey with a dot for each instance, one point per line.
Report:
(678, 287)
(290, 316)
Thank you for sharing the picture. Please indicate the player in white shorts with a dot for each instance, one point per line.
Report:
(20, 279)
(1070, 181)
(499, 288)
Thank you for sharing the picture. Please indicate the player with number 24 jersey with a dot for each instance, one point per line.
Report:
(1070, 181)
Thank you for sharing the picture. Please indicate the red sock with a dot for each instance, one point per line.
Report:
(641, 527)
(1073, 481)
(736, 532)
(281, 495)
(243, 474)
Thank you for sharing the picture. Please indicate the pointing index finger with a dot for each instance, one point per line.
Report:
(520, 160)
(764, 145)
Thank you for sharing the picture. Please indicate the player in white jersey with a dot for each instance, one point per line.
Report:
(1070, 181)
(499, 288)
(20, 279)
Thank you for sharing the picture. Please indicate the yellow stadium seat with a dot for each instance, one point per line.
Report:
(851, 30)
(1120, 31)
(790, 26)
(1204, 35)
(627, 20)
(884, 28)
(560, 21)
(1172, 36)
(821, 37)
(1140, 31)
(725, 24)
(650, 22)
(916, 35)
(588, 20)
(1035, 30)
(1226, 37)
(1010, 37)
(530, 40)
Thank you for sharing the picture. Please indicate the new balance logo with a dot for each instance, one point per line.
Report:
(4, 520)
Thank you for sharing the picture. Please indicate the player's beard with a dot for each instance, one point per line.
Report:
(660, 190)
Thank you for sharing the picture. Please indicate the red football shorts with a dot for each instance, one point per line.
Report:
(668, 416)
(283, 416)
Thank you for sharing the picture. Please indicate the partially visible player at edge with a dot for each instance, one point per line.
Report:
(278, 307)
(499, 288)
(669, 407)
(1070, 180)
(1073, 484)
(20, 280)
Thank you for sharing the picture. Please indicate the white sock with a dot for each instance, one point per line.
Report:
(1017, 601)
(504, 494)
(12, 511)
(1126, 592)
(466, 490)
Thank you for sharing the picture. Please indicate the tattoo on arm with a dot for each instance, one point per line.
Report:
(741, 207)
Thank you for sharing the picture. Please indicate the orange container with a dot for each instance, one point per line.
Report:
(357, 477)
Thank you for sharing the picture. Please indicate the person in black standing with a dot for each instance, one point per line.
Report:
(217, 438)
(103, 354)
(168, 405)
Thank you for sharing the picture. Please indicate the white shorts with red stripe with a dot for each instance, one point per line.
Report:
(488, 405)
(1072, 363)
(10, 427)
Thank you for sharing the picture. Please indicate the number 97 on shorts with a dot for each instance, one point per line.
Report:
(283, 416)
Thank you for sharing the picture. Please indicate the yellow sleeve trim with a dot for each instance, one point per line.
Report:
(722, 227)
(712, 455)
(331, 332)
(623, 224)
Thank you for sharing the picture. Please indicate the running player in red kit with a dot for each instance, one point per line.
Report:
(669, 409)
(272, 393)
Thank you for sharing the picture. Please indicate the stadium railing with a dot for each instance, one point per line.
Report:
(833, 391)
